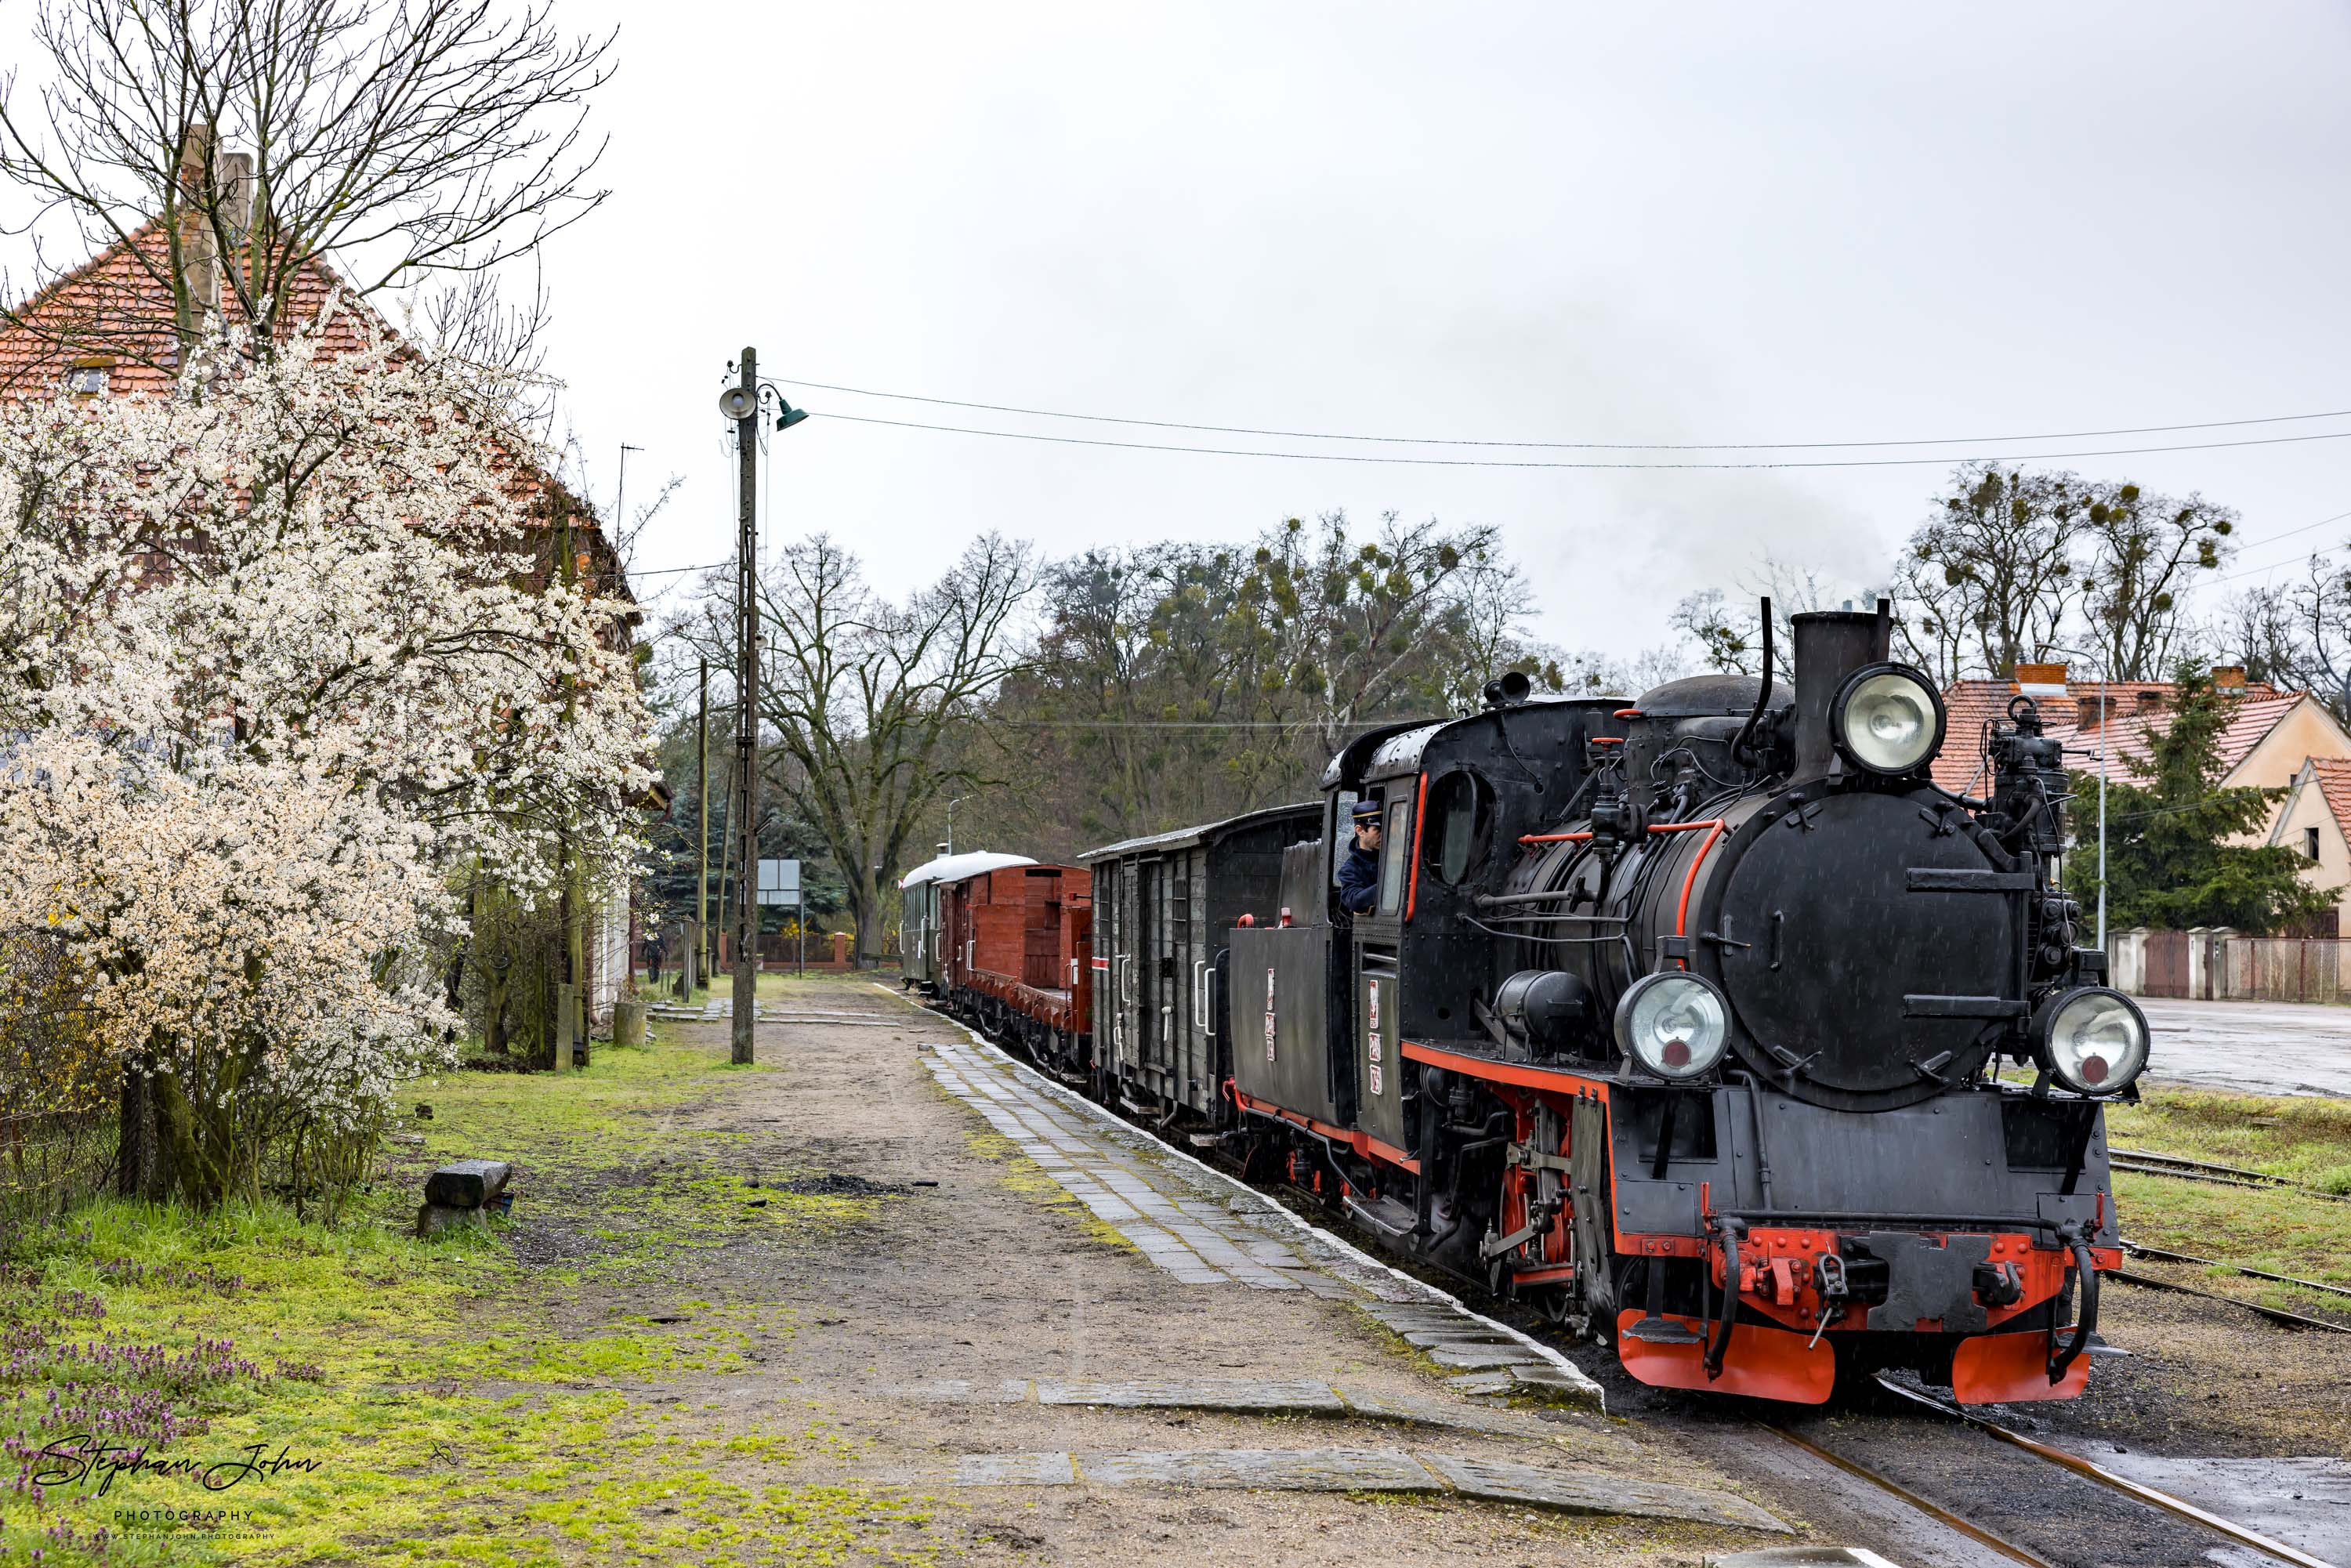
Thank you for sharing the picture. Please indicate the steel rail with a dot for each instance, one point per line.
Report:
(2242, 1534)
(2161, 1256)
(2275, 1314)
(2137, 1167)
(2145, 1163)
(2192, 1164)
(1935, 1511)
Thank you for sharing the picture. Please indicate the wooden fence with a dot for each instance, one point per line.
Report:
(2215, 964)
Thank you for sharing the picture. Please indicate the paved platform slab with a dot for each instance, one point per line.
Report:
(1801, 1557)
(1292, 1398)
(1234, 1396)
(1283, 1470)
(1002, 1330)
(1203, 1230)
(1499, 1480)
(1370, 1471)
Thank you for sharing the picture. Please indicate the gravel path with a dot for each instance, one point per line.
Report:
(1084, 1345)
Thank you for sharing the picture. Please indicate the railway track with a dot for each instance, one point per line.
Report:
(1927, 1414)
(2158, 1253)
(2243, 1535)
(2147, 1162)
(2275, 1314)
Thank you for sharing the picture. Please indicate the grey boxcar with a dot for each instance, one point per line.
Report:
(1163, 908)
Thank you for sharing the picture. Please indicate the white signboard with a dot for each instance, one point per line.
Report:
(780, 883)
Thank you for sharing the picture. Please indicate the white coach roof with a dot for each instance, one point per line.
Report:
(954, 868)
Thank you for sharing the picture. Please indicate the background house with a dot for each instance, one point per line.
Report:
(2275, 739)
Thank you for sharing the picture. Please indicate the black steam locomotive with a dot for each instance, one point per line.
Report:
(1709, 1022)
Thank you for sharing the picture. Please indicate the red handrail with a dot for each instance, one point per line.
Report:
(1419, 813)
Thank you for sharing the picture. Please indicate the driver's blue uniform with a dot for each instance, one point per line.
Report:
(1359, 880)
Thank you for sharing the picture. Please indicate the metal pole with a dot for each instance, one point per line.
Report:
(746, 721)
(702, 845)
(621, 501)
(2106, 717)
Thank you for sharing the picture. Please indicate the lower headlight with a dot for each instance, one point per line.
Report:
(2093, 1041)
(1674, 1024)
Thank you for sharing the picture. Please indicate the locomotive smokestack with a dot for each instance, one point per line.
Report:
(1831, 644)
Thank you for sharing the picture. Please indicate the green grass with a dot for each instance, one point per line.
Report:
(2304, 1139)
(461, 1409)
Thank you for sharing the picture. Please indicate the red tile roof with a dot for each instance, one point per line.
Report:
(2132, 736)
(1969, 705)
(111, 310)
(2335, 781)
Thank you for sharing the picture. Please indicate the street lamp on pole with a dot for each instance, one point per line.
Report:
(742, 402)
(951, 805)
(2105, 717)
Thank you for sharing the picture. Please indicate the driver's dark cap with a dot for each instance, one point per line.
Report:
(1367, 813)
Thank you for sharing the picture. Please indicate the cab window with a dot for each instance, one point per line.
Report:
(1455, 827)
(1395, 835)
(1342, 837)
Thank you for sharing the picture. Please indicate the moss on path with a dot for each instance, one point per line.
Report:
(314, 1393)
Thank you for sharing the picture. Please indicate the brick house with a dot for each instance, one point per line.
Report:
(108, 327)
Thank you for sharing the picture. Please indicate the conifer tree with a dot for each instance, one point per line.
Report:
(2169, 860)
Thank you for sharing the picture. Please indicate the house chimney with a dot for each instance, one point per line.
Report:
(234, 173)
(2229, 676)
(2151, 699)
(195, 231)
(195, 152)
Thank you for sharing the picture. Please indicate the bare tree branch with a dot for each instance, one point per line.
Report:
(392, 143)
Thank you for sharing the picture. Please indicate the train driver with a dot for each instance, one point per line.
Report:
(1359, 873)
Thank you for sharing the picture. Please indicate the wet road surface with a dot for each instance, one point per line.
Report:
(2257, 1048)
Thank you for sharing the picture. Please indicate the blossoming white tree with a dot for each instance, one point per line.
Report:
(277, 655)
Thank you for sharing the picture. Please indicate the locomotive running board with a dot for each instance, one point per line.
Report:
(1762, 1362)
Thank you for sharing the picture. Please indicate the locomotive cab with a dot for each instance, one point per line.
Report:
(1328, 999)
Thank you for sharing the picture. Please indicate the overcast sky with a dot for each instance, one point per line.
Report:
(1721, 224)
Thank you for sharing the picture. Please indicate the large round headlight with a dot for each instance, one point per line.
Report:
(2093, 1041)
(1888, 719)
(1674, 1024)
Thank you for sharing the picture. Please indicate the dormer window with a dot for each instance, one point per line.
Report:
(85, 381)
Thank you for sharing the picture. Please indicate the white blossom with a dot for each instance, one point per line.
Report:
(281, 655)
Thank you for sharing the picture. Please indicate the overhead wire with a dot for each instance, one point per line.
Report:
(2314, 555)
(1562, 445)
(1399, 460)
